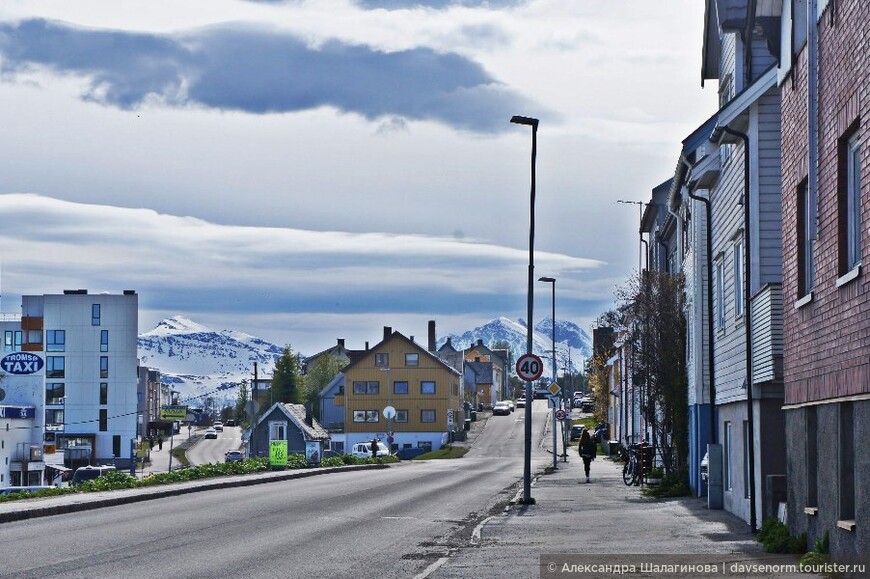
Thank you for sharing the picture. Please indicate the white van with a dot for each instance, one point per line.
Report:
(364, 449)
(90, 473)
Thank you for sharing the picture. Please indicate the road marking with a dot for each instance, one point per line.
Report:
(431, 568)
(402, 518)
(475, 535)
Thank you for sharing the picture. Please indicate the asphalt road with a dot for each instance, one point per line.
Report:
(387, 523)
(213, 450)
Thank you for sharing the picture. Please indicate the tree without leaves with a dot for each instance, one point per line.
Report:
(653, 306)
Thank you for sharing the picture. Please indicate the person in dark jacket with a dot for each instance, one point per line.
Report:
(374, 448)
(587, 449)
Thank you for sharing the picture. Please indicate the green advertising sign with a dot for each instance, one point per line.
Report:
(173, 413)
(277, 453)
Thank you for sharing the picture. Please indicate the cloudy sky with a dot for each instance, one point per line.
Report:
(307, 170)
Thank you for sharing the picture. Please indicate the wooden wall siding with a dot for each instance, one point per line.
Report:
(428, 370)
(695, 271)
(769, 205)
(761, 57)
(827, 350)
(729, 63)
(729, 350)
(767, 308)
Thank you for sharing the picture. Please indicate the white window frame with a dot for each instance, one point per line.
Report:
(853, 203)
(277, 430)
(726, 450)
(719, 290)
(737, 254)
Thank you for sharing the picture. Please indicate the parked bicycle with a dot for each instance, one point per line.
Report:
(631, 470)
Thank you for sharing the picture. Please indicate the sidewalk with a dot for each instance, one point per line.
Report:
(604, 517)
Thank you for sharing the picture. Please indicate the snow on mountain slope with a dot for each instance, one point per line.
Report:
(568, 335)
(197, 360)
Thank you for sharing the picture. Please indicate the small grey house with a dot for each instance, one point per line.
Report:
(288, 422)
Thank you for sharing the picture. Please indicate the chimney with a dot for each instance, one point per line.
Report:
(431, 335)
(309, 419)
(367, 346)
(388, 331)
(341, 342)
(480, 342)
(411, 338)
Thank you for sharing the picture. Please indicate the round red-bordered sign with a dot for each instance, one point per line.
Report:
(529, 367)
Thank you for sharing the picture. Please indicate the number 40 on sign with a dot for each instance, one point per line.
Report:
(529, 367)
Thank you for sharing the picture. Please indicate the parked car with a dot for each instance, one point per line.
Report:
(234, 456)
(511, 405)
(705, 467)
(501, 408)
(89, 472)
(577, 431)
(210, 433)
(521, 402)
(219, 426)
(364, 449)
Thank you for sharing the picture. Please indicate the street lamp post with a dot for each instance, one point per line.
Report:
(527, 454)
(552, 280)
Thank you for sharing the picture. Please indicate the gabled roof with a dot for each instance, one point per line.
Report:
(333, 385)
(399, 336)
(482, 371)
(296, 414)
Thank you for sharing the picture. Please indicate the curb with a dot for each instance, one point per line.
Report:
(33, 511)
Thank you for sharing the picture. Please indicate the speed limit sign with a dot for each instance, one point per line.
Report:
(529, 367)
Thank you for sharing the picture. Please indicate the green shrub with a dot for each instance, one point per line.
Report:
(332, 461)
(775, 538)
(820, 555)
(673, 484)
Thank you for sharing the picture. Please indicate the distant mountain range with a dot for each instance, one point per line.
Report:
(571, 340)
(199, 362)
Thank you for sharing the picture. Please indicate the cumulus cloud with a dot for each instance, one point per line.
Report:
(258, 70)
(190, 265)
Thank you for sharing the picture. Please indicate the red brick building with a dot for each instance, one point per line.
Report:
(826, 251)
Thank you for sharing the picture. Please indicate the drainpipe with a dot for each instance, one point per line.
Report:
(667, 251)
(716, 137)
(711, 367)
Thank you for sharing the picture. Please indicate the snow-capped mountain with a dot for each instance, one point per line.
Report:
(197, 360)
(568, 336)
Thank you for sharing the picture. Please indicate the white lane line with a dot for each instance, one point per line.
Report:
(475, 535)
(431, 568)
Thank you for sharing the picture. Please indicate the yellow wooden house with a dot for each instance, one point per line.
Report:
(400, 390)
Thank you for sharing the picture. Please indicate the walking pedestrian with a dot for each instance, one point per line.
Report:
(374, 448)
(587, 449)
(159, 442)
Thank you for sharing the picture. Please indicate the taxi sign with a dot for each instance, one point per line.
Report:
(529, 367)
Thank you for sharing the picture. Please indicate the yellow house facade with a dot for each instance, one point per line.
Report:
(423, 392)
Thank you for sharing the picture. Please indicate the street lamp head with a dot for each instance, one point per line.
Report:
(518, 120)
(547, 279)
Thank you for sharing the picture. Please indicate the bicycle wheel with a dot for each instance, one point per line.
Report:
(628, 472)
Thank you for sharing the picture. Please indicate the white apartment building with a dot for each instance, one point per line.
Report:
(88, 343)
